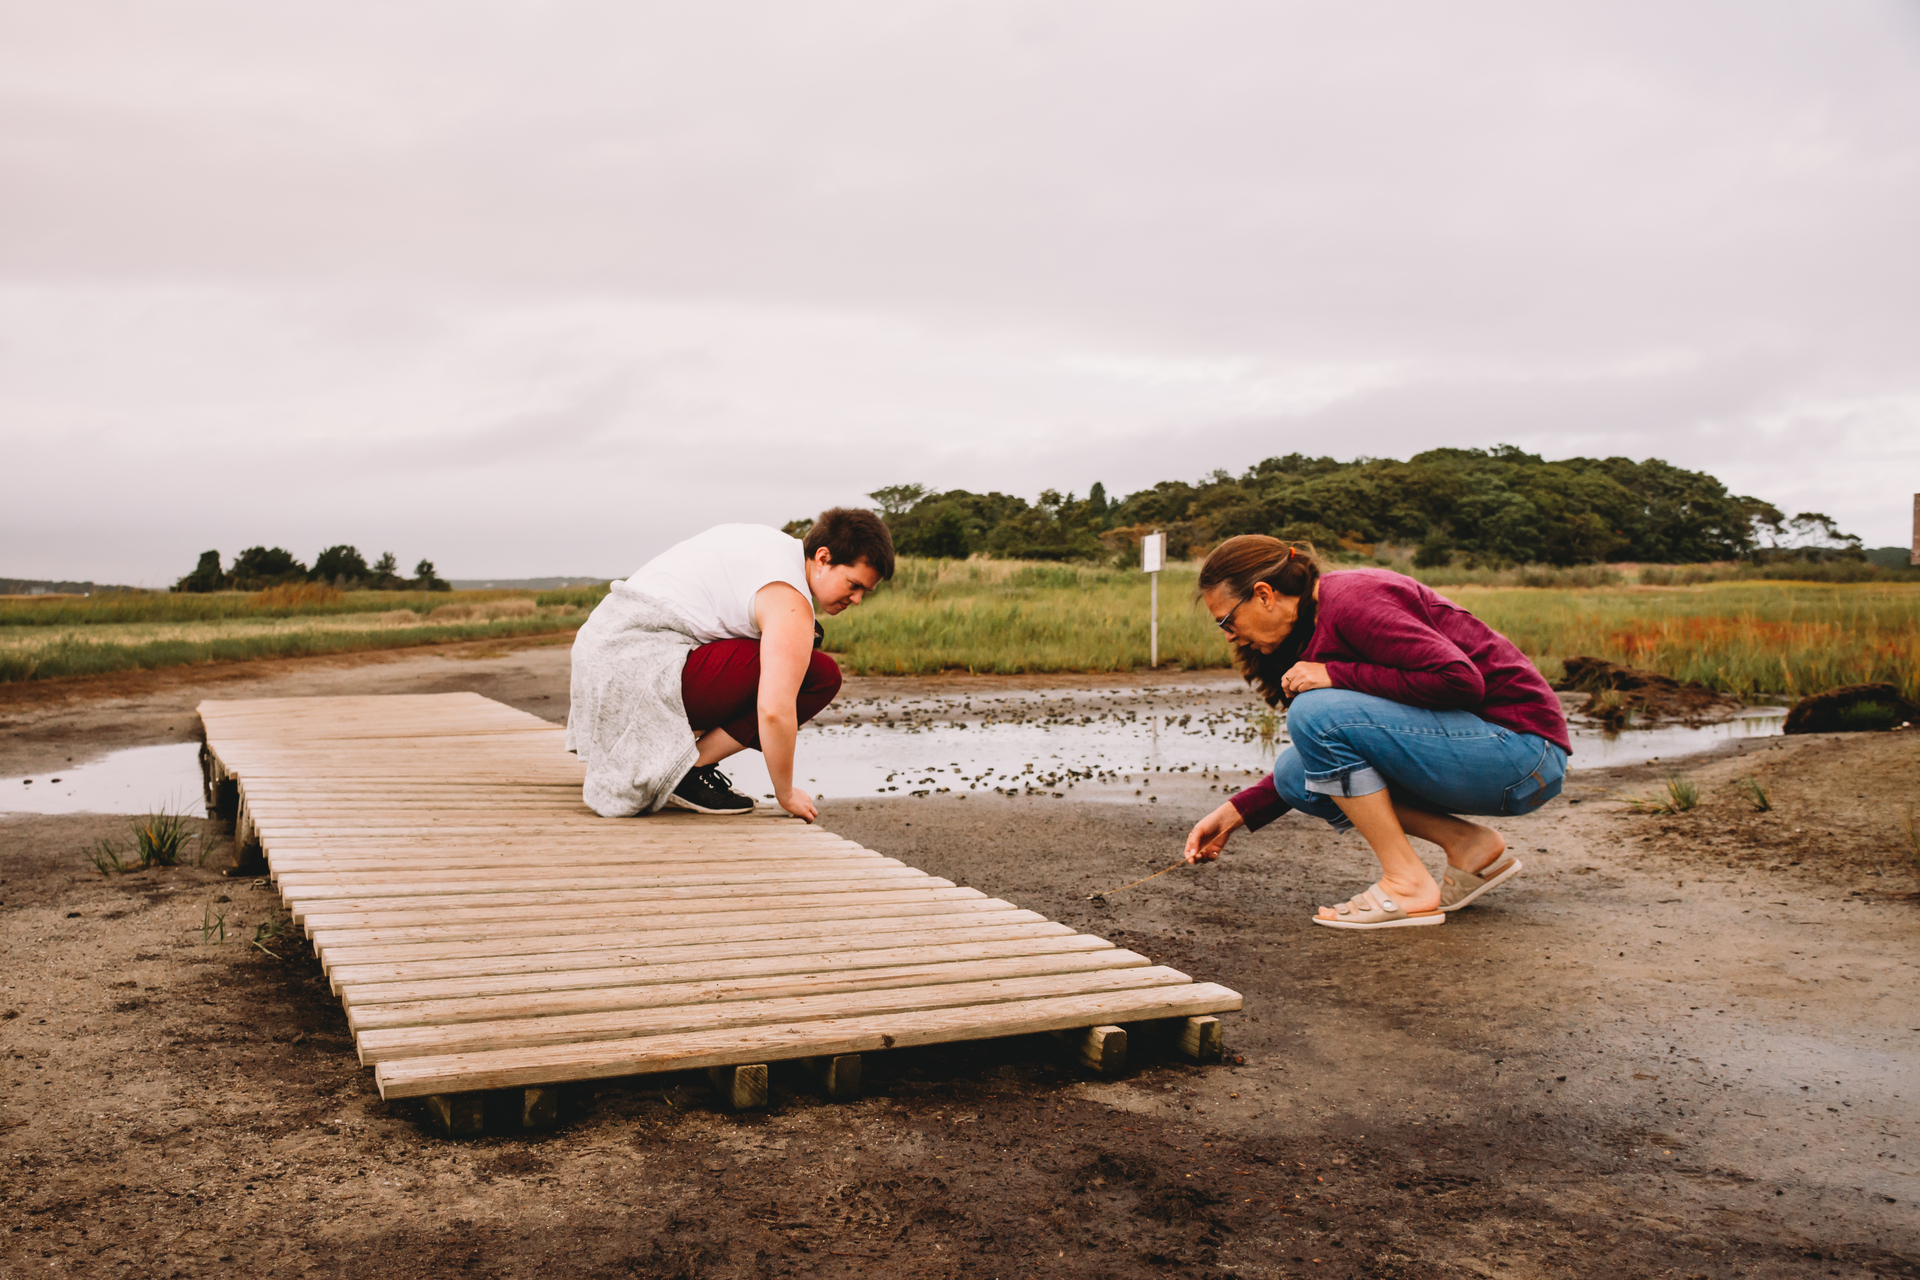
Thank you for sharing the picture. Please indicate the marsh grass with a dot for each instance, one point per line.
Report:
(1010, 617)
(275, 931)
(159, 839)
(299, 600)
(1682, 794)
(1757, 640)
(1760, 640)
(1756, 793)
(43, 653)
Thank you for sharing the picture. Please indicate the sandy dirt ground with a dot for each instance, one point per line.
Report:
(1676, 1046)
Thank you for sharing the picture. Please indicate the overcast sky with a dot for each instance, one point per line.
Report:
(540, 288)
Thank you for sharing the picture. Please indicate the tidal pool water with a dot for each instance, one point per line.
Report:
(1106, 743)
(138, 780)
(1109, 743)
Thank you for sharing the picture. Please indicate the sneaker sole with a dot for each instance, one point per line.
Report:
(680, 802)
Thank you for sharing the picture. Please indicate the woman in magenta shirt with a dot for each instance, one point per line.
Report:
(1404, 710)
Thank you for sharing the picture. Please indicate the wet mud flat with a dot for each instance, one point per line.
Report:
(1679, 1045)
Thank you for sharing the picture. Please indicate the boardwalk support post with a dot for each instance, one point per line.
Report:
(740, 1087)
(1199, 1039)
(839, 1075)
(539, 1108)
(1102, 1049)
(458, 1115)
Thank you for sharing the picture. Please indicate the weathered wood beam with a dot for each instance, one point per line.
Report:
(838, 1074)
(1199, 1039)
(458, 1115)
(740, 1087)
(1101, 1049)
(539, 1108)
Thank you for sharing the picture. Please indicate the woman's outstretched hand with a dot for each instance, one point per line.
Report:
(1302, 676)
(799, 804)
(1209, 835)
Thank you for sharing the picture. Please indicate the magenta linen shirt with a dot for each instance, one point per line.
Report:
(1383, 633)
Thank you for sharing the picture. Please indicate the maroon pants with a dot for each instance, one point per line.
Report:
(721, 687)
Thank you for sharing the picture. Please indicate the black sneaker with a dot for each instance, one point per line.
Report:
(706, 790)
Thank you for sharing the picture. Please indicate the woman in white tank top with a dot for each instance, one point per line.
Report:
(746, 595)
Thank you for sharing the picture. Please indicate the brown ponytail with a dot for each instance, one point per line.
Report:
(1292, 569)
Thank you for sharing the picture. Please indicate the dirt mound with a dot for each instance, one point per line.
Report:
(1852, 708)
(1622, 694)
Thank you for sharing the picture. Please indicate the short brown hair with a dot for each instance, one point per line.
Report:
(1290, 568)
(852, 534)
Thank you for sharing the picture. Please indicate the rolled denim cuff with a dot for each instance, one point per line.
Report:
(1355, 780)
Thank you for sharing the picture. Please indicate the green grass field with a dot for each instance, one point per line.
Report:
(44, 639)
(1772, 639)
(1760, 639)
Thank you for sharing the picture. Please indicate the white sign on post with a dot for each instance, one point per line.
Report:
(1153, 550)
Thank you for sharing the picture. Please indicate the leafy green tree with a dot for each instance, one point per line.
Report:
(942, 533)
(898, 499)
(1097, 501)
(259, 567)
(343, 566)
(206, 575)
(425, 579)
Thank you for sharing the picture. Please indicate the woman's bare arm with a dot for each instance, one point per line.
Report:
(786, 647)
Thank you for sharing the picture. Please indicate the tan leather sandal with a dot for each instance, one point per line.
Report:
(1459, 888)
(1376, 909)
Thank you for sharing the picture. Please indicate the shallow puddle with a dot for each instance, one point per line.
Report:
(1109, 743)
(137, 781)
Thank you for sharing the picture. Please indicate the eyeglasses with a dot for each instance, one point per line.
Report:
(1226, 623)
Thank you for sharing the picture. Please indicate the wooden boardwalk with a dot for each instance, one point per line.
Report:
(486, 930)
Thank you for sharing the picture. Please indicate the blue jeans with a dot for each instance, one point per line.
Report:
(1354, 744)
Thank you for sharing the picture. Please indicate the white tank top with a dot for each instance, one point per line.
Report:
(711, 578)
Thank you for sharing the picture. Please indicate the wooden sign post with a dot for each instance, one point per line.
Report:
(1153, 550)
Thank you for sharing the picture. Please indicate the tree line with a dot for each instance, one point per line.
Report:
(1477, 506)
(343, 566)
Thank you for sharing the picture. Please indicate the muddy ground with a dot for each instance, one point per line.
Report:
(1679, 1045)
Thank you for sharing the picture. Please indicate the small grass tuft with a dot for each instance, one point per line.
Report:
(1266, 723)
(161, 839)
(1757, 794)
(273, 931)
(107, 860)
(213, 925)
(1682, 794)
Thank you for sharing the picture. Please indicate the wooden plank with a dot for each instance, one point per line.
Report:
(488, 959)
(311, 890)
(375, 926)
(646, 1055)
(684, 988)
(729, 960)
(391, 1044)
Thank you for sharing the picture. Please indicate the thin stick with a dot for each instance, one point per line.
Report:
(1142, 880)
